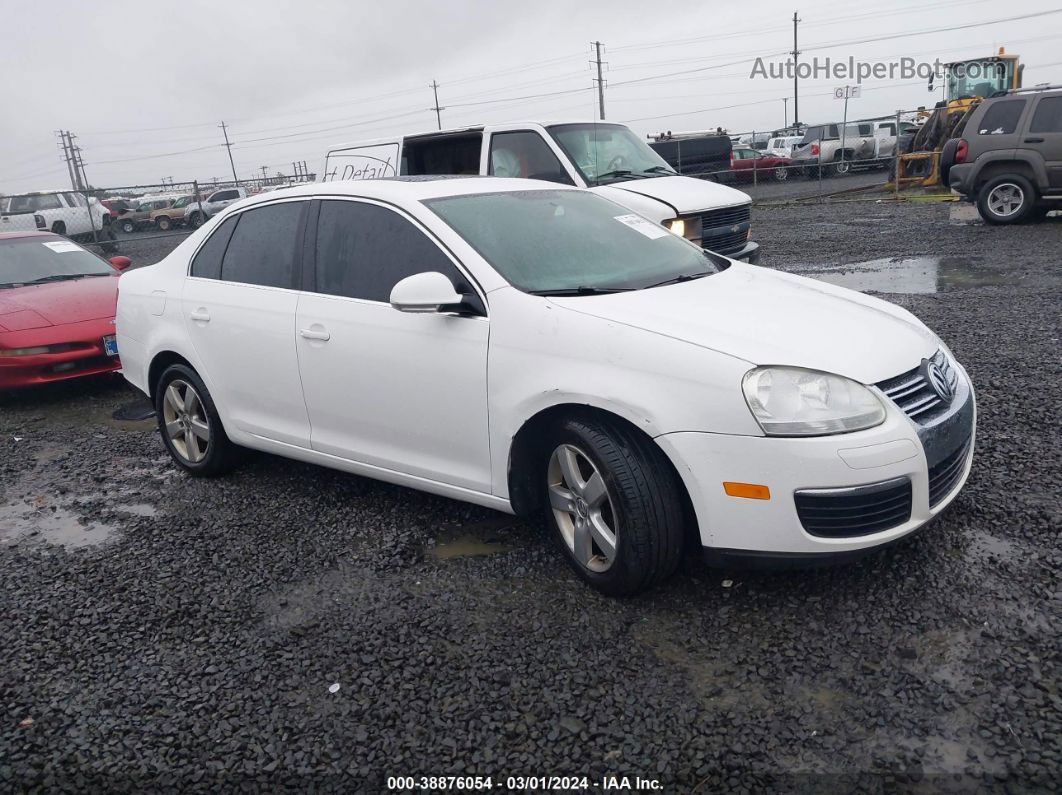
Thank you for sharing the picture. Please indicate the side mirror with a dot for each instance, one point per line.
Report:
(425, 292)
(121, 263)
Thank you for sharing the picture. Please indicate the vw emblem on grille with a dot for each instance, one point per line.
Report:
(937, 380)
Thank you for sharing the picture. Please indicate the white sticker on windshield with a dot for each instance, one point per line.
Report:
(62, 246)
(639, 224)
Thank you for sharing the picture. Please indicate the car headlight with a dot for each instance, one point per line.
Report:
(792, 401)
(678, 226)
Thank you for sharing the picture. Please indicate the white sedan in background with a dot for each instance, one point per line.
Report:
(543, 351)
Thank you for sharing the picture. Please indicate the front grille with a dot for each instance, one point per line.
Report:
(946, 473)
(856, 511)
(725, 230)
(915, 396)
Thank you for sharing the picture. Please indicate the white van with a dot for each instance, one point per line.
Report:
(606, 158)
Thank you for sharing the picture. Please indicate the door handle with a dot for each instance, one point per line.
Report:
(200, 316)
(1034, 140)
(314, 334)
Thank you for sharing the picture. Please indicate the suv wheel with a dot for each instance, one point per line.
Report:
(128, 227)
(842, 167)
(164, 223)
(613, 505)
(196, 219)
(1008, 199)
(190, 425)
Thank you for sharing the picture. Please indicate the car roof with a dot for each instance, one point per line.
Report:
(407, 188)
(27, 233)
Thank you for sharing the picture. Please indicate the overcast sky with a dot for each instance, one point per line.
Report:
(144, 86)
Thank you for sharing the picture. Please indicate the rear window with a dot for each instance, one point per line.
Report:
(1001, 118)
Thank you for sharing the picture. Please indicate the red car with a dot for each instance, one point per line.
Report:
(57, 304)
(767, 167)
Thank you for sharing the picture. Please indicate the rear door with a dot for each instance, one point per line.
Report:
(364, 161)
(1045, 136)
(239, 304)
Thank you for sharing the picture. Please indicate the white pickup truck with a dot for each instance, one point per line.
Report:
(607, 158)
(62, 212)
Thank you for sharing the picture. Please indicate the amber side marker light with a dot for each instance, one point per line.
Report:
(750, 490)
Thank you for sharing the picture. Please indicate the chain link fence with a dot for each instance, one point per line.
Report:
(116, 218)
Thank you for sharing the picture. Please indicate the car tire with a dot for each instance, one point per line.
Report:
(841, 166)
(190, 425)
(164, 223)
(195, 220)
(1007, 199)
(59, 228)
(613, 504)
(780, 174)
(127, 226)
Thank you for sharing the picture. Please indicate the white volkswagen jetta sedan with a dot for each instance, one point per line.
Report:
(543, 351)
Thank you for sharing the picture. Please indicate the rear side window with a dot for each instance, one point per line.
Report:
(364, 250)
(1001, 118)
(262, 249)
(1048, 116)
(207, 263)
(47, 201)
(447, 154)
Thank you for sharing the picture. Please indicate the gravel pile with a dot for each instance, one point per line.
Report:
(196, 642)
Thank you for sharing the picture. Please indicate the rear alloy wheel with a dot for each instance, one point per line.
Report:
(128, 227)
(842, 167)
(780, 174)
(1006, 200)
(190, 425)
(613, 504)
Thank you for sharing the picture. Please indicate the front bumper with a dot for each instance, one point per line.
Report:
(86, 356)
(771, 529)
(749, 253)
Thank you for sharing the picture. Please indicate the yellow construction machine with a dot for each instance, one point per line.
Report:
(966, 84)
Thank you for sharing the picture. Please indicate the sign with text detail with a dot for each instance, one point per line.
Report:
(848, 92)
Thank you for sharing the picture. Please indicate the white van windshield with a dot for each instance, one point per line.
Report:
(606, 153)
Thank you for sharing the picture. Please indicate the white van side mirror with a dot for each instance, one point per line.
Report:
(425, 292)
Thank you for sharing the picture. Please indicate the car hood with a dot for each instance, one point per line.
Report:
(682, 194)
(767, 317)
(43, 305)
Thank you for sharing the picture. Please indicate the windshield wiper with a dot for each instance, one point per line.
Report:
(682, 277)
(582, 291)
(661, 169)
(62, 277)
(626, 173)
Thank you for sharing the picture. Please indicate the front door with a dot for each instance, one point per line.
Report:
(404, 392)
(239, 305)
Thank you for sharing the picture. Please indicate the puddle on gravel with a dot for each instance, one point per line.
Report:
(478, 539)
(41, 523)
(911, 275)
(138, 509)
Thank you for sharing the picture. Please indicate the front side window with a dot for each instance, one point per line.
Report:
(262, 249)
(544, 241)
(1048, 116)
(1002, 118)
(364, 250)
(525, 154)
(605, 153)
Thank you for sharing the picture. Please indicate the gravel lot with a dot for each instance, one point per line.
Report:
(164, 633)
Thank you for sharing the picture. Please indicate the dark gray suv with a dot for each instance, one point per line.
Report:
(1009, 158)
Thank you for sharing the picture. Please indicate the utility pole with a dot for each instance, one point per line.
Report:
(600, 82)
(785, 113)
(228, 146)
(796, 79)
(438, 110)
(67, 158)
(264, 174)
(79, 164)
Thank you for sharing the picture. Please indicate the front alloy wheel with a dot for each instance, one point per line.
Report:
(781, 174)
(582, 508)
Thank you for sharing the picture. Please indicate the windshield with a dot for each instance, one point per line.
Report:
(29, 260)
(568, 240)
(978, 78)
(606, 153)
